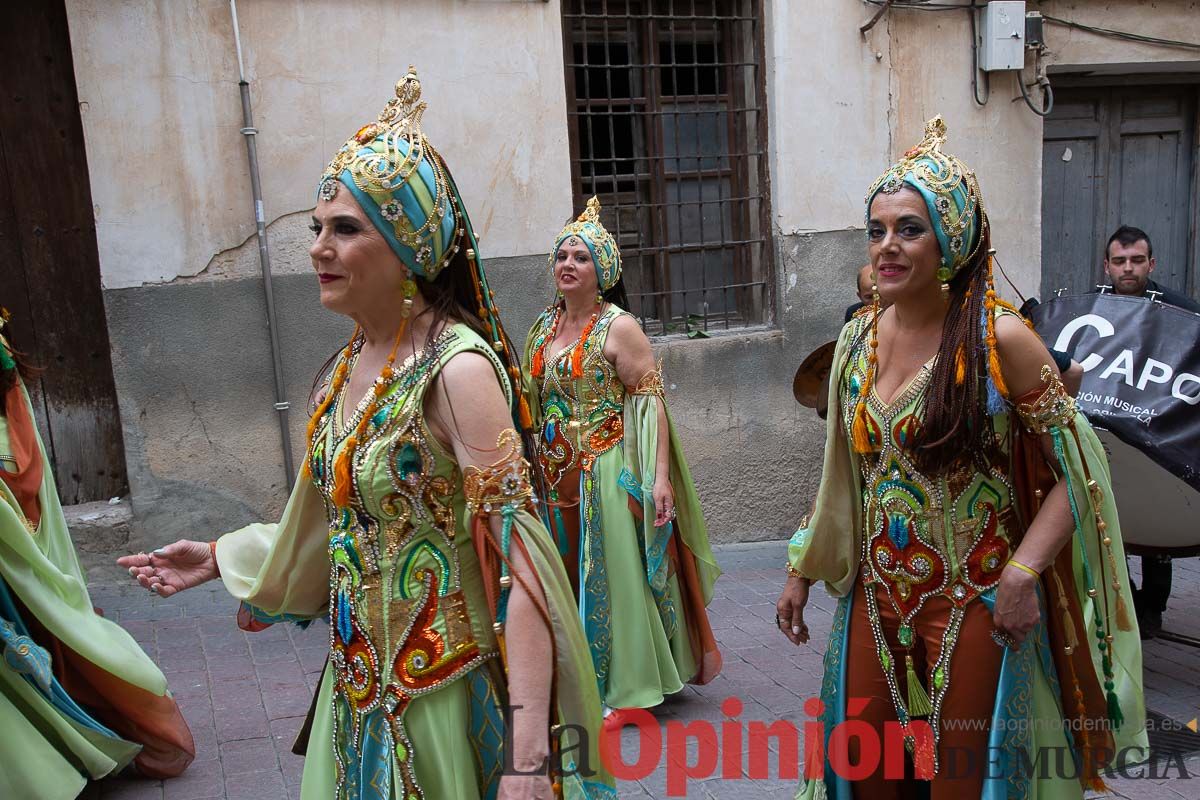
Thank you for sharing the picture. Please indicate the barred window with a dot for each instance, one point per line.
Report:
(666, 104)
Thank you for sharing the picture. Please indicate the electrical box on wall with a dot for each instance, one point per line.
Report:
(1002, 37)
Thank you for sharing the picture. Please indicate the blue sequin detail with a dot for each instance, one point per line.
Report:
(343, 618)
(898, 530)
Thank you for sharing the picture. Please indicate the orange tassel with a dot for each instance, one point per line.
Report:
(994, 369)
(989, 303)
(537, 364)
(960, 366)
(862, 436)
(577, 353)
(526, 417)
(341, 473)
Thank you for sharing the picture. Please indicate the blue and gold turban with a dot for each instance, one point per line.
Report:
(951, 193)
(401, 183)
(603, 247)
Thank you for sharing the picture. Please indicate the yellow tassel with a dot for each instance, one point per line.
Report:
(1069, 628)
(1123, 623)
(960, 366)
(918, 700)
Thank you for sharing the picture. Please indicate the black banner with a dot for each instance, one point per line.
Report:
(1141, 381)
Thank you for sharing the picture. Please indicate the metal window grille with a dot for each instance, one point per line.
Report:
(666, 102)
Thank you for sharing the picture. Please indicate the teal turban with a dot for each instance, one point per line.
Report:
(600, 243)
(401, 183)
(950, 191)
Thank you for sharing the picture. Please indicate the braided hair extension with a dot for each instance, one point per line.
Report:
(957, 427)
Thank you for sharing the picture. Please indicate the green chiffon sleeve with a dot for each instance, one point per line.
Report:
(280, 571)
(638, 476)
(828, 546)
(42, 568)
(576, 701)
(1098, 561)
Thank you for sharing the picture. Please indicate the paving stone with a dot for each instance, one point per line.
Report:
(248, 755)
(246, 695)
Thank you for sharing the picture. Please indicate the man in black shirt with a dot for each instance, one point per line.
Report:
(1128, 262)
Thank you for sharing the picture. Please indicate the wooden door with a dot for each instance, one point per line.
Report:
(1116, 156)
(49, 265)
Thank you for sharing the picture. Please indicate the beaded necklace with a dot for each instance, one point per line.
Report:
(537, 363)
(342, 463)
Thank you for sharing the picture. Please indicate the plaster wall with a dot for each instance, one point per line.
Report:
(162, 117)
(179, 260)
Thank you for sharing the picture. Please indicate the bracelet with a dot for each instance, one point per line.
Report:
(793, 572)
(1012, 562)
(212, 548)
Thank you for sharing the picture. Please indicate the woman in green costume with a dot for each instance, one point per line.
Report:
(79, 699)
(412, 526)
(619, 499)
(965, 521)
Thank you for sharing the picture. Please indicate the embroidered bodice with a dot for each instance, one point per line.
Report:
(581, 417)
(407, 609)
(926, 535)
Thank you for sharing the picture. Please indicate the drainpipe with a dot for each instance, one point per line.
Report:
(264, 255)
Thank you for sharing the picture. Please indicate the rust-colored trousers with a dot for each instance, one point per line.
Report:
(974, 672)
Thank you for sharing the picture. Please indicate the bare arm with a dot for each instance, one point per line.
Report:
(1022, 357)
(629, 351)
(467, 411)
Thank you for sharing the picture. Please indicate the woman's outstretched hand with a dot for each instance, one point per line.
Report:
(173, 568)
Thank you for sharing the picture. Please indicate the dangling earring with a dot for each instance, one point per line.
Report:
(943, 275)
(408, 288)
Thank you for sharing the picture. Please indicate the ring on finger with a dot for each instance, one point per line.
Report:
(1003, 639)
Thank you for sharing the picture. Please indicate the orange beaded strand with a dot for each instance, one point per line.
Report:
(344, 461)
(331, 392)
(859, 430)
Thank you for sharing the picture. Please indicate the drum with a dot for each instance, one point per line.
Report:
(1141, 392)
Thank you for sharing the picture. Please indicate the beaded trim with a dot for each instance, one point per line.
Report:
(503, 484)
(651, 383)
(1053, 408)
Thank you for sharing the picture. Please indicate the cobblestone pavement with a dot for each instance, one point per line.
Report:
(245, 695)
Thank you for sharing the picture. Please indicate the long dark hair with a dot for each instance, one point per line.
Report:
(956, 426)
